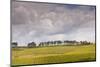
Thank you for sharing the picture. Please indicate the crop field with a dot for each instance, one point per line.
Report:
(53, 54)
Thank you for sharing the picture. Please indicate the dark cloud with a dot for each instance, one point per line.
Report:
(42, 21)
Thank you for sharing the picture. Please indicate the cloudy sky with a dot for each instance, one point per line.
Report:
(44, 22)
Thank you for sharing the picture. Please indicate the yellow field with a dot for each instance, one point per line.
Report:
(54, 54)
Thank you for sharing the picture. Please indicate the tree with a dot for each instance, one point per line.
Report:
(85, 42)
(14, 44)
(32, 44)
(40, 44)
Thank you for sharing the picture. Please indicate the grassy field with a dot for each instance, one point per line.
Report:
(54, 54)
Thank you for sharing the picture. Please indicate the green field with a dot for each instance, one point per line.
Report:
(54, 54)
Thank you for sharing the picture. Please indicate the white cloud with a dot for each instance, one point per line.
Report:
(43, 22)
(56, 37)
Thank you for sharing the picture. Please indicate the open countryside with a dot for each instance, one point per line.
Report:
(53, 54)
(50, 33)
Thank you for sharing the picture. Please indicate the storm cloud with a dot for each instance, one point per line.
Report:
(44, 21)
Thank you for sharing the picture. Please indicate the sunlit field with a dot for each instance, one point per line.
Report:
(53, 54)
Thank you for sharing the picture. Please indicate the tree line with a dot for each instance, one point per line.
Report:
(54, 43)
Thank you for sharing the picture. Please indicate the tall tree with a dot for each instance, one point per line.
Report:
(32, 44)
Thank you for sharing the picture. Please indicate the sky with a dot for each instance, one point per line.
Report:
(40, 22)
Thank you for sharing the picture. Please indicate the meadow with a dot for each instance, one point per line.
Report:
(53, 54)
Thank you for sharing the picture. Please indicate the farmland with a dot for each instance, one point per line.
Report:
(53, 54)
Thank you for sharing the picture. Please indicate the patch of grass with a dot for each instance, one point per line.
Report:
(57, 54)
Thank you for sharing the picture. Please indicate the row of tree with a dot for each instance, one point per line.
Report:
(53, 43)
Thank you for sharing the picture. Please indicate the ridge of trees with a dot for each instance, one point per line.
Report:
(54, 43)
